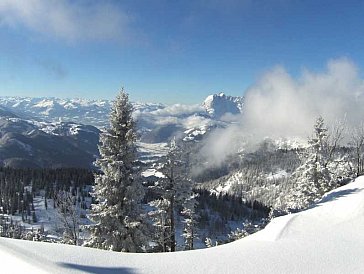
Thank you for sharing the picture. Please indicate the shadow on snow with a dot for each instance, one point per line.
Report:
(338, 194)
(99, 269)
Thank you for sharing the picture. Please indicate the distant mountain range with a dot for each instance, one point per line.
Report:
(96, 112)
(56, 110)
(52, 132)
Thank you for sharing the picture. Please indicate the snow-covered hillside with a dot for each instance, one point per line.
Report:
(327, 238)
(28, 143)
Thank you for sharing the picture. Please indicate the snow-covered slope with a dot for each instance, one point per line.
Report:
(327, 238)
(27, 143)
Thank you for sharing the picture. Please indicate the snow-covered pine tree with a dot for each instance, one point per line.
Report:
(118, 224)
(357, 142)
(312, 178)
(209, 243)
(161, 223)
(189, 212)
(321, 150)
(248, 229)
(174, 190)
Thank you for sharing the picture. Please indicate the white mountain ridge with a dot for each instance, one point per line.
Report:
(95, 112)
(155, 122)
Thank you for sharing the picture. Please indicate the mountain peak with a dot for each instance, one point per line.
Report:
(220, 104)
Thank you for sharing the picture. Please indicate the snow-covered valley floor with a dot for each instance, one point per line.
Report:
(328, 238)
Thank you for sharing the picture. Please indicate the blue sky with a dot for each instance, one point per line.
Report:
(168, 51)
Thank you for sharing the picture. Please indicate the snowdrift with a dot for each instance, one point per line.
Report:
(327, 238)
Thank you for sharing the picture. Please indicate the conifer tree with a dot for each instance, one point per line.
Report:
(161, 223)
(357, 141)
(118, 224)
(175, 191)
(189, 212)
(312, 178)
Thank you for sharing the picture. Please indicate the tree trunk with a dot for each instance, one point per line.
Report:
(171, 216)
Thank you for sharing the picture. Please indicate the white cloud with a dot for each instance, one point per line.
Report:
(195, 121)
(220, 144)
(67, 20)
(281, 106)
(166, 120)
(178, 110)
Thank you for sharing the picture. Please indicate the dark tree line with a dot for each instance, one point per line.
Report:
(216, 211)
(18, 187)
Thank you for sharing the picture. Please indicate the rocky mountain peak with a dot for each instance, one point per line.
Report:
(217, 105)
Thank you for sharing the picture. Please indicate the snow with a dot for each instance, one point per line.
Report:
(327, 238)
(54, 109)
(149, 115)
(46, 103)
(16, 261)
(195, 131)
(219, 104)
(150, 152)
(223, 189)
(152, 172)
(236, 178)
(278, 175)
(291, 143)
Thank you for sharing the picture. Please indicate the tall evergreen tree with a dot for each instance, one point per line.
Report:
(189, 212)
(312, 178)
(161, 223)
(175, 191)
(118, 224)
(357, 141)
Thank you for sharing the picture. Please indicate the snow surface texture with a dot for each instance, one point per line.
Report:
(328, 238)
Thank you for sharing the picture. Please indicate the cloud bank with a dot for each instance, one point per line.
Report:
(178, 110)
(279, 105)
(184, 115)
(67, 20)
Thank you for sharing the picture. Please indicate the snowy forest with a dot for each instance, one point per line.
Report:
(116, 207)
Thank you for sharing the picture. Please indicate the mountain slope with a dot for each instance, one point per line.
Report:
(29, 144)
(4, 112)
(327, 238)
